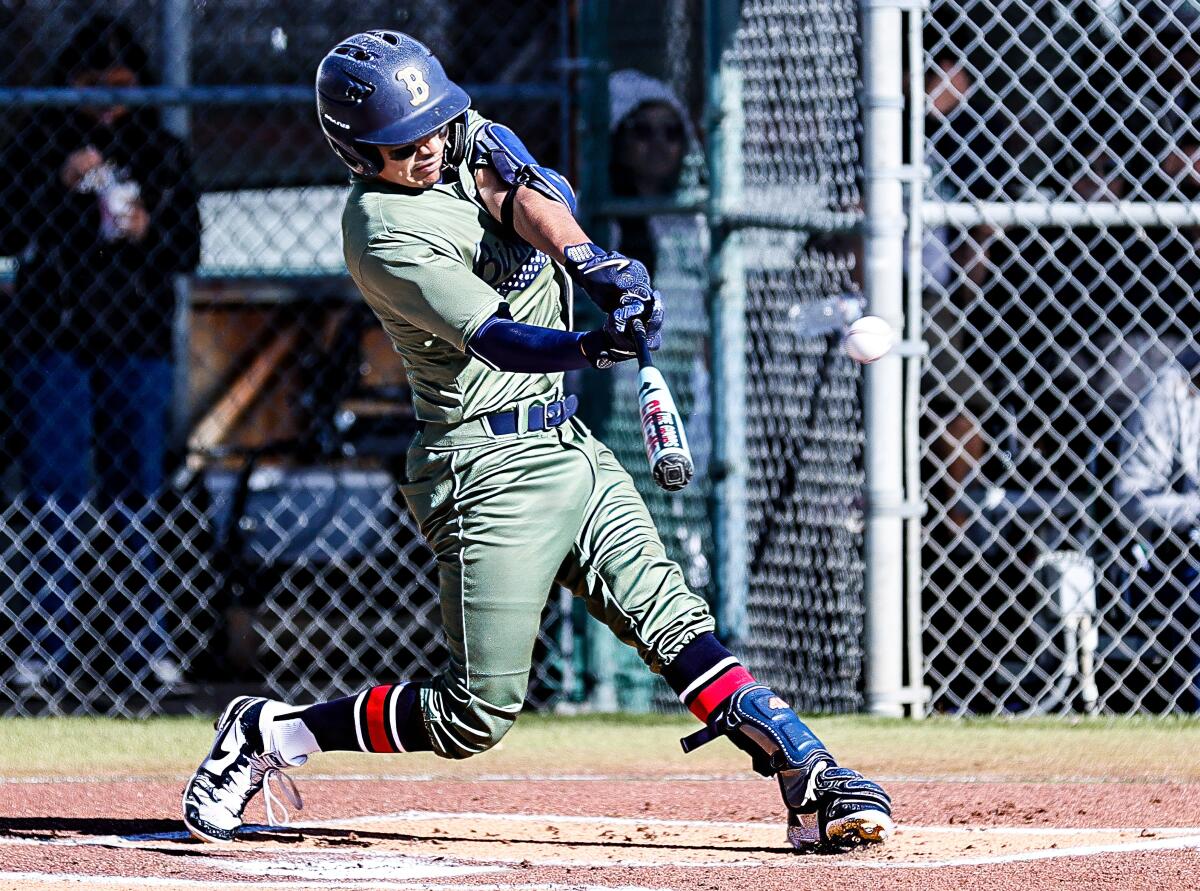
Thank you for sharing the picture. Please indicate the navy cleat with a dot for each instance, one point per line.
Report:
(236, 769)
(843, 810)
(829, 807)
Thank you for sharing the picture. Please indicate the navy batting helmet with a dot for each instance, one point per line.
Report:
(385, 88)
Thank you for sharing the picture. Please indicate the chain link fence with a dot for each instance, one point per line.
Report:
(800, 170)
(790, 188)
(1059, 425)
(653, 210)
(201, 427)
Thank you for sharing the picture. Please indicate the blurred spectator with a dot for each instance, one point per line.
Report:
(1173, 263)
(97, 205)
(1162, 82)
(1052, 298)
(956, 266)
(653, 144)
(970, 135)
(1159, 488)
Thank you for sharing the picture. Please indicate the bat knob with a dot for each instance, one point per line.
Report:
(673, 472)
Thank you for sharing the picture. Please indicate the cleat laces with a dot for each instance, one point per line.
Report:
(272, 798)
(262, 769)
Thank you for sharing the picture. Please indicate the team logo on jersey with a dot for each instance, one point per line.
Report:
(412, 78)
(508, 266)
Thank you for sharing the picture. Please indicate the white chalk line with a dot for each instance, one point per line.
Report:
(1177, 838)
(153, 882)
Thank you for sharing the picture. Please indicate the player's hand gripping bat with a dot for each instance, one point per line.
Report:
(662, 427)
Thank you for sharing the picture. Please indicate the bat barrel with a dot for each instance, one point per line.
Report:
(662, 429)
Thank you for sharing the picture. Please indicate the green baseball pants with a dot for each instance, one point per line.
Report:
(508, 516)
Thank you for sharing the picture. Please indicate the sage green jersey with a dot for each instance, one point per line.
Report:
(434, 265)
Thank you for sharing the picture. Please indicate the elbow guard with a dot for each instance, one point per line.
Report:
(499, 148)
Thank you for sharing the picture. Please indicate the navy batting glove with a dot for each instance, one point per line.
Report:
(619, 324)
(607, 276)
(601, 351)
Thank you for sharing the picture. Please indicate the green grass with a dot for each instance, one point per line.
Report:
(1109, 749)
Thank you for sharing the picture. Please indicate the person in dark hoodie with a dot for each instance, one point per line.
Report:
(97, 205)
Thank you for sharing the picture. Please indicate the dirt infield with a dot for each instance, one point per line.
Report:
(587, 802)
(553, 833)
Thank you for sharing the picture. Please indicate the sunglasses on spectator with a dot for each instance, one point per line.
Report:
(646, 131)
(404, 152)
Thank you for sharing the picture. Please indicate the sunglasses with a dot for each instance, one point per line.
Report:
(646, 132)
(404, 152)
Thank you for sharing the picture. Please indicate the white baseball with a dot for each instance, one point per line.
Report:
(868, 338)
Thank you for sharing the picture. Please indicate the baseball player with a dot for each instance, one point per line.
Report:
(468, 252)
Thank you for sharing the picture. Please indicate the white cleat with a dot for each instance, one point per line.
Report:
(236, 769)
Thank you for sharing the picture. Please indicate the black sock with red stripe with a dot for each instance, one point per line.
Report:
(386, 718)
(704, 675)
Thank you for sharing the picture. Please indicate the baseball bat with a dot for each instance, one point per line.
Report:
(662, 427)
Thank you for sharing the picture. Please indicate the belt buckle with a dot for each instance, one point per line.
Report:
(554, 413)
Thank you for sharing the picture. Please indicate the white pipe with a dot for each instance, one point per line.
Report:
(884, 391)
(727, 296)
(1068, 213)
(913, 614)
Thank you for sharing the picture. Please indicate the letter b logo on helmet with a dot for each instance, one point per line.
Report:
(411, 78)
(385, 88)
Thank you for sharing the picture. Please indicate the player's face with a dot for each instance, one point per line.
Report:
(417, 165)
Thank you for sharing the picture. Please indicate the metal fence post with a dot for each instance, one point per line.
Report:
(727, 296)
(175, 53)
(917, 692)
(883, 396)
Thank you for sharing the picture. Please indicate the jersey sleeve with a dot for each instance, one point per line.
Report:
(429, 290)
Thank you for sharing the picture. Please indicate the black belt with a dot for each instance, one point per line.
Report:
(540, 416)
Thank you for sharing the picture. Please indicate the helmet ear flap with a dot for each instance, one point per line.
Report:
(365, 160)
(456, 142)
